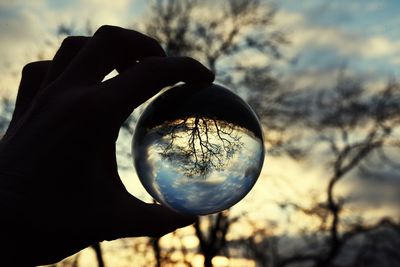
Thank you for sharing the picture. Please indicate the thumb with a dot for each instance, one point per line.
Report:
(136, 218)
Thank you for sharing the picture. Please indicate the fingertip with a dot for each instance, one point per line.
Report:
(163, 220)
(207, 76)
(135, 218)
(173, 219)
(212, 76)
(194, 71)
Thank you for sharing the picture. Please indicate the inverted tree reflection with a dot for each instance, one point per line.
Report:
(198, 145)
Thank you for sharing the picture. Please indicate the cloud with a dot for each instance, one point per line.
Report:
(28, 29)
(378, 46)
(98, 12)
(396, 60)
(305, 31)
(22, 34)
(322, 46)
(344, 42)
(372, 194)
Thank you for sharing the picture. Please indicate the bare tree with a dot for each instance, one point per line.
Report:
(212, 237)
(188, 28)
(99, 254)
(358, 127)
(221, 40)
(199, 145)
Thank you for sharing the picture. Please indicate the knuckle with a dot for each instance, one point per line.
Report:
(129, 38)
(106, 30)
(68, 41)
(28, 68)
(73, 41)
(33, 67)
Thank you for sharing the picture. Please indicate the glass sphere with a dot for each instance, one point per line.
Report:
(198, 149)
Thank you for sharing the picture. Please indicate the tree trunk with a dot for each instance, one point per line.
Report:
(208, 259)
(155, 242)
(99, 255)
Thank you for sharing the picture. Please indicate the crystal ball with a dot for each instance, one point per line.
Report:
(198, 149)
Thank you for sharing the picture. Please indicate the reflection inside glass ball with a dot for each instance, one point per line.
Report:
(198, 150)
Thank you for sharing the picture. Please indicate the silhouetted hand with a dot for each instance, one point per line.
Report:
(59, 186)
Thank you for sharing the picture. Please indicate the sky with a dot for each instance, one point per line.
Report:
(361, 35)
(324, 36)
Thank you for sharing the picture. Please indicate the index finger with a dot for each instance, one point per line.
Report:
(110, 48)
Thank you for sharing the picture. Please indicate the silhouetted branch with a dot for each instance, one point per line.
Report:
(99, 255)
(199, 145)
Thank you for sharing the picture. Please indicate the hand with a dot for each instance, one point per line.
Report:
(59, 186)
